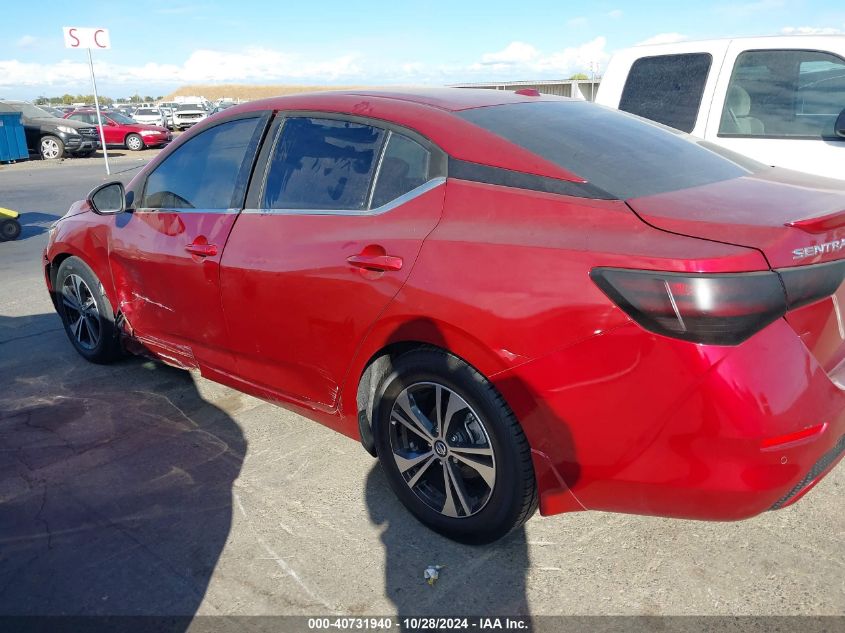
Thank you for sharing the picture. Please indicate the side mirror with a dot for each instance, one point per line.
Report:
(108, 199)
(839, 126)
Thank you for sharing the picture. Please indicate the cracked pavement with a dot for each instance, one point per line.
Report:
(137, 488)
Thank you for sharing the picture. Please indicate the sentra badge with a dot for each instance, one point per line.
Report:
(819, 249)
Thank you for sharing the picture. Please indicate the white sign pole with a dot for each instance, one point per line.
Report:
(78, 37)
(99, 118)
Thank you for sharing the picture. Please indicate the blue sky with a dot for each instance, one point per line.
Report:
(161, 44)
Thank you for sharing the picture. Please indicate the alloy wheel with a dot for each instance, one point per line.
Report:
(442, 449)
(83, 316)
(49, 148)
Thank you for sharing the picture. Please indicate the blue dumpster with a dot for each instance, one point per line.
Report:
(12, 138)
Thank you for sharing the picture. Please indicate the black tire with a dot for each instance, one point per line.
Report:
(9, 230)
(51, 147)
(81, 328)
(134, 143)
(513, 497)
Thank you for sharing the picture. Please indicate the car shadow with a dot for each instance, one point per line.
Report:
(487, 580)
(116, 481)
(33, 224)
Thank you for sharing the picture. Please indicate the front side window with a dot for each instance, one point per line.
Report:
(782, 94)
(667, 88)
(322, 164)
(205, 172)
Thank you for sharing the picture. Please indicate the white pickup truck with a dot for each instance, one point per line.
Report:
(780, 100)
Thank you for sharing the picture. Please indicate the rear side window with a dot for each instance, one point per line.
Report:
(784, 93)
(667, 88)
(322, 164)
(207, 171)
(620, 154)
(404, 167)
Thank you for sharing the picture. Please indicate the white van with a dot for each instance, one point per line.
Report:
(780, 100)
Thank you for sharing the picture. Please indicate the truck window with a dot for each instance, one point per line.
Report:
(667, 88)
(784, 94)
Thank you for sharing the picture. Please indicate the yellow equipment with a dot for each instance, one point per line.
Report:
(10, 227)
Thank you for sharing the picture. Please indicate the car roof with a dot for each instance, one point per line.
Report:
(765, 42)
(430, 112)
(449, 99)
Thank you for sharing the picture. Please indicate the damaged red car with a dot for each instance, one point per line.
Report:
(512, 300)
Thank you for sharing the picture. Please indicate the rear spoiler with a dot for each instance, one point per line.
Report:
(820, 224)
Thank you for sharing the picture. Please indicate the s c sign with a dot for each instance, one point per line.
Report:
(79, 37)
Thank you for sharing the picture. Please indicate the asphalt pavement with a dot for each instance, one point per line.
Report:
(140, 489)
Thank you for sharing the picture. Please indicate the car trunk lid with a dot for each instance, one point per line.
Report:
(792, 218)
(797, 221)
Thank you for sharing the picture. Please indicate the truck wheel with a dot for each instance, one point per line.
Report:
(134, 142)
(52, 147)
(9, 230)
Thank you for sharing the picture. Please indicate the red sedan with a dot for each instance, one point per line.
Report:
(120, 130)
(512, 300)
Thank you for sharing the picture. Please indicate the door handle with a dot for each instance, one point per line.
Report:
(202, 250)
(376, 262)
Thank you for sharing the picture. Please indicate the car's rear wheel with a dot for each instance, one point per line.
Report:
(52, 148)
(9, 230)
(86, 313)
(451, 448)
(134, 142)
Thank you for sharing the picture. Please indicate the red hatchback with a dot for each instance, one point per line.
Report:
(511, 300)
(120, 130)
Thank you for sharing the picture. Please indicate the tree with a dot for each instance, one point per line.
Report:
(579, 77)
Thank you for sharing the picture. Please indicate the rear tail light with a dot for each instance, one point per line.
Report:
(713, 309)
(808, 284)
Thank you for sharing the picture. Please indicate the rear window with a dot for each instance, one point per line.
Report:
(667, 88)
(621, 154)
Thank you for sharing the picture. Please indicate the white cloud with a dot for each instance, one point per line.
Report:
(615, 14)
(203, 66)
(26, 41)
(577, 22)
(522, 60)
(517, 60)
(663, 38)
(513, 53)
(810, 30)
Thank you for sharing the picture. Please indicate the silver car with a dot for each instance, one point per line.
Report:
(150, 116)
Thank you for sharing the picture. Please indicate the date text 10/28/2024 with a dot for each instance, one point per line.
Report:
(420, 624)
